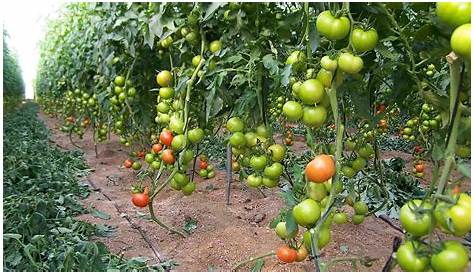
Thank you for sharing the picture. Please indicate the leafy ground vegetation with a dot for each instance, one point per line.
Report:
(40, 200)
(316, 101)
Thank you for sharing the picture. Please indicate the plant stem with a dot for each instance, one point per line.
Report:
(156, 220)
(240, 264)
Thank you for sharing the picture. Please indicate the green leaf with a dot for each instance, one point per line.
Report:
(99, 214)
(258, 266)
(464, 169)
(291, 225)
(314, 38)
(270, 63)
(212, 8)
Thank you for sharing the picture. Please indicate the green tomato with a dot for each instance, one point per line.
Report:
(189, 188)
(155, 165)
(262, 131)
(164, 78)
(188, 155)
(325, 77)
(297, 60)
(311, 92)
(409, 260)
(454, 13)
(359, 163)
(235, 124)
(163, 107)
(196, 60)
(203, 173)
(215, 46)
(177, 124)
(282, 232)
(166, 93)
(149, 158)
(314, 116)
(119, 81)
(331, 27)
(292, 110)
(269, 182)
(274, 171)
(461, 41)
(413, 223)
(211, 174)
(307, 212)
(360, 208)
(358, 219)
(340, 218)
(254, 180)
(452, 258)
(195, 135)
(178, 142)
(316, 191)
(349, 63)
(136, 165)
(251, 139)
(364, 40)
(348, 171)
(328, 64)
(295, 89)
(258, 162)
(324, 238)
(237, 140)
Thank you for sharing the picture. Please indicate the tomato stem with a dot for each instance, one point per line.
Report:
(240, 264)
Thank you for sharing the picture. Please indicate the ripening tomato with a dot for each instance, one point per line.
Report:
(141, 154)
(168, 157)
(454, 13)
(301, 254)
(157, 148)
(286, 254)
(364, 40)
(277, 152)
(320, 169)
(164, 78)
(140, 199)
(128, 163)
(166, 137)
(461, 41)
(331, 27)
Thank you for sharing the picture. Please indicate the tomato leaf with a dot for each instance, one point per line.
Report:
(464, 169)
(291, 225)
(258, 266)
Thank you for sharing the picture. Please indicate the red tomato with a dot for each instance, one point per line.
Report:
(128, 163)
(203, 165)
(420, 168)
(140, 199)
(286, 254)
(141, 154)
(166, 137)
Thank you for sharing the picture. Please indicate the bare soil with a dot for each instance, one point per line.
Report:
(225, 235)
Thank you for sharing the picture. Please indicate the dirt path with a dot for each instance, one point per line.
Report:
(224, 235)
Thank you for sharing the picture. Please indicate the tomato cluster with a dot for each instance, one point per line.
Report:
(418, 218)
(206, 170)
(254, 151)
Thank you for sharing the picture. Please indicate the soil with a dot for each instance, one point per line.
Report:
(225, 235)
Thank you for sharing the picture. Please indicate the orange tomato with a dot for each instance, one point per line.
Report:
(166, 137)
(320, 169)
(168, 157)
(157, 148)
